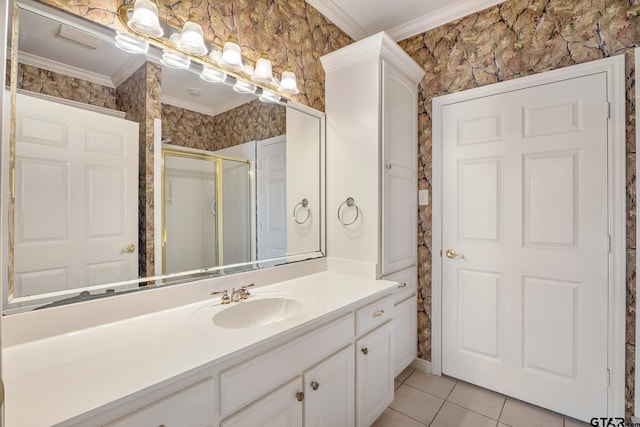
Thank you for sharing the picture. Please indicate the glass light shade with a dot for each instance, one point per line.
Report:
(175, 60)
(231, 57)
(288, 83)
(191, 40)
(244, 87)
(212, 75)
(144, 19)
(269, 96)
(263, 72)
(215, 55)
(131, 44)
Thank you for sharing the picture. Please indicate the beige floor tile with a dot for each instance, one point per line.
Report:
(572, 422)
(503, 425)
(391, 418)
(521, 414)
(404, 374)
(477, 399)
(397, 384)
(438, 386)
(416, 404)
(456, 416)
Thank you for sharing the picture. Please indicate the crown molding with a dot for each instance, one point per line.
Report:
(379, 45)
(456, 10)
(58, 67)
(339, 17)
(444, 15)
(129, 67)
(191, 106)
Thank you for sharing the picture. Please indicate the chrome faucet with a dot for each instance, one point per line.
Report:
(236, 295)
(242, 293)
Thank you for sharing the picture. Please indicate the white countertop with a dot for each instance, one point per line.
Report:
(53, 380)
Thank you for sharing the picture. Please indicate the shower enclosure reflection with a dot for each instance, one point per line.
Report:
(206, 210)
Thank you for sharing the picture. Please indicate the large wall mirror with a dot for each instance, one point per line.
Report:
(121, 173)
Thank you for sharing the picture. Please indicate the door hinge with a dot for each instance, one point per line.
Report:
(440, 253)
(607, 110)
(608, 378)
(609, 243)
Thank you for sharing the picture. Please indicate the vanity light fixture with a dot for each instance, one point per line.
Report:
(174, 59)
(144, 19)
(212, 75)
(231, 57)
(131, 44)
(244, 87)
(192, 41)
(288, 84)
(263, 72)
(188, 45)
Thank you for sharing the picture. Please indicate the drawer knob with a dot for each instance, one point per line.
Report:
(315, 385)
(365, 350)
(378, 313)
(300, 396)
(402, 285)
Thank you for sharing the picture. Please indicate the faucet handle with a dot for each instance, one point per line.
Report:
(225, 298)
(244, 293)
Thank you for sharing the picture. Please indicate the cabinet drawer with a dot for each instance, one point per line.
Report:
(252, 379)
(374, 315)
(191, 407)
(407, 283)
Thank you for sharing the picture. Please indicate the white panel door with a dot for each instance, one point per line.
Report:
(400, 185)
(76, 197)
(525, 210)
(272, 198)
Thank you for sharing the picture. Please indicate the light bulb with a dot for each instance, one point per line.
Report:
(191, 40)
(231, 57)
(144, 19)
(263, 72)
(212, 75)
(131, 44)
(288, 83)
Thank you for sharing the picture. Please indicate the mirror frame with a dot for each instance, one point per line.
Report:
(21, 304)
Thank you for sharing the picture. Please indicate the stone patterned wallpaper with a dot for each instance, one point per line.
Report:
(288, 31)
(254, 120)
(511, 40)
(139, 97)
(50, 83)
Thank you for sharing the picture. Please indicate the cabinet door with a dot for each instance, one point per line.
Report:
(280, 408)
(399, 156)
(374, 374)
(192, 407)
(329, 389)
(405, 321)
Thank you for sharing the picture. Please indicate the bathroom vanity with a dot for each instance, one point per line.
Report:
(315, 351)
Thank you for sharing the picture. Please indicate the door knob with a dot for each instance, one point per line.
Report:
(129, 249)
(453, 254)
(300, 396)
(315, 385)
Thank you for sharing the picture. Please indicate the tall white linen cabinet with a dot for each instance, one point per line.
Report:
(372, 147)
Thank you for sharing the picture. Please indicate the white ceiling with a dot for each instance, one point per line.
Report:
(399, 18)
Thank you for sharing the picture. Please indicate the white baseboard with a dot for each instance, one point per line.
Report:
(422, 365)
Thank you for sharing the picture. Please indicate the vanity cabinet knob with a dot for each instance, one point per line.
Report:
(315, 385)
(388, 166)
(365, 351)
(378, 313)
(402, 285)
(300, 396)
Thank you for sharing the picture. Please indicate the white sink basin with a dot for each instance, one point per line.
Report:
(256, 312)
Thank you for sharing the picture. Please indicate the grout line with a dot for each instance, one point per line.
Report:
(502, 409)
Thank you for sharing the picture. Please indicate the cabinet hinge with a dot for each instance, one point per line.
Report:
(440, 253)
(607, 110)
(608, 378)
(609, 243)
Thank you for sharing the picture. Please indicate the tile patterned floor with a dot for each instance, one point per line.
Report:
(423, 399)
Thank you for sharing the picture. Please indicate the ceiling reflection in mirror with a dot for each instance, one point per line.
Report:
(126, 174)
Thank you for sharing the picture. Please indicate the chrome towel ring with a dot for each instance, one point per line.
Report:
(349, 203)
(302, 204)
